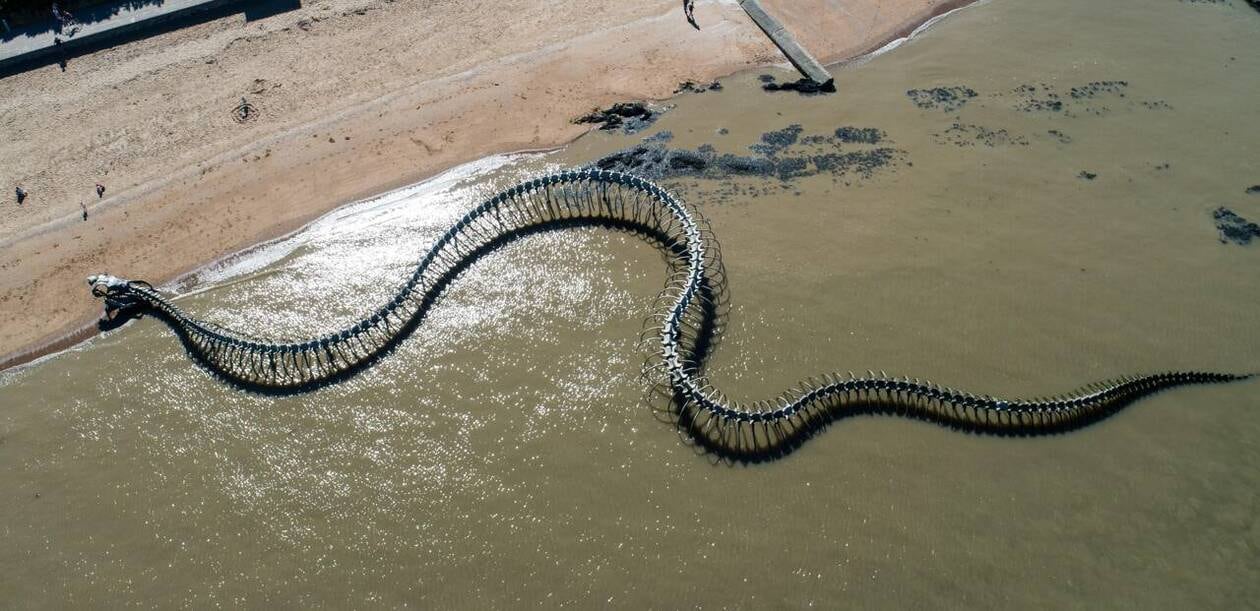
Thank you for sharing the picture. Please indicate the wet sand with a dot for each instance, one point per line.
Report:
(353, 97)
(504, 454)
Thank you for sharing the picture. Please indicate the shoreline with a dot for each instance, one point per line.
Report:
(82, 327)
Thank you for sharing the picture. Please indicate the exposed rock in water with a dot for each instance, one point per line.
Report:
(630, 117)
(1234, 228)
(694, 87)
(804, 86)
(1254, 189)
(1087, 175)
(947, 99)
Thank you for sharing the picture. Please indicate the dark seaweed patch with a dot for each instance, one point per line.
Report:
(1099, 88)
(960, 134)
(661, 136)
(771, 159)
(1038, 98)
(862, 163)
(1234, 228)
(773, 142)
(863, 135)
(1060, 136)
(947, 99)
(1080, 99)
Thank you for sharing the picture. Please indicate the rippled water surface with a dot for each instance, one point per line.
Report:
(1026, 205)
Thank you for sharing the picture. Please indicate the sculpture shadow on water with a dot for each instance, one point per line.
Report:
(680, 336)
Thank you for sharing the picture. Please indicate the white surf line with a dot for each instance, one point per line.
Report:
(243, 264)
(923, 27)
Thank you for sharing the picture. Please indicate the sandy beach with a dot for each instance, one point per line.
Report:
(353, 98)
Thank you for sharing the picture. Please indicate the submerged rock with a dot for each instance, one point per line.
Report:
(1234, 228)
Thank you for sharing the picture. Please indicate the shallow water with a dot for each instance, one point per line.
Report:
(504, 454)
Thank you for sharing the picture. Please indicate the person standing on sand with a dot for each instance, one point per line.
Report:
(689, 9)
(84, 211)
(100, 190)
(21, 195)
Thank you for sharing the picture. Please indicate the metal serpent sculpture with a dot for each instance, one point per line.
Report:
(683, 333)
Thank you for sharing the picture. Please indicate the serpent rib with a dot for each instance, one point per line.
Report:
(613, 198)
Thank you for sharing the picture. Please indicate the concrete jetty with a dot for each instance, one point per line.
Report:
(787, 43)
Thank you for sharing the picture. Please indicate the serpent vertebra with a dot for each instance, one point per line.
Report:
(596, 196)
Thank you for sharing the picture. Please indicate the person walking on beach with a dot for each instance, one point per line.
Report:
(689, 9)
(61, 53)
(21, 195)
(100, 190)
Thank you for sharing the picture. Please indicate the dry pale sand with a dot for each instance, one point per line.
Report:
(356, 97)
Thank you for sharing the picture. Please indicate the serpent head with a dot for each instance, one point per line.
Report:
(118, 294)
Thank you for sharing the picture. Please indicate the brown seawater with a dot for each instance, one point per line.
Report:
(504, 454)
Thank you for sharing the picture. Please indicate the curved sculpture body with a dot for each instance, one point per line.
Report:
(683, 333)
